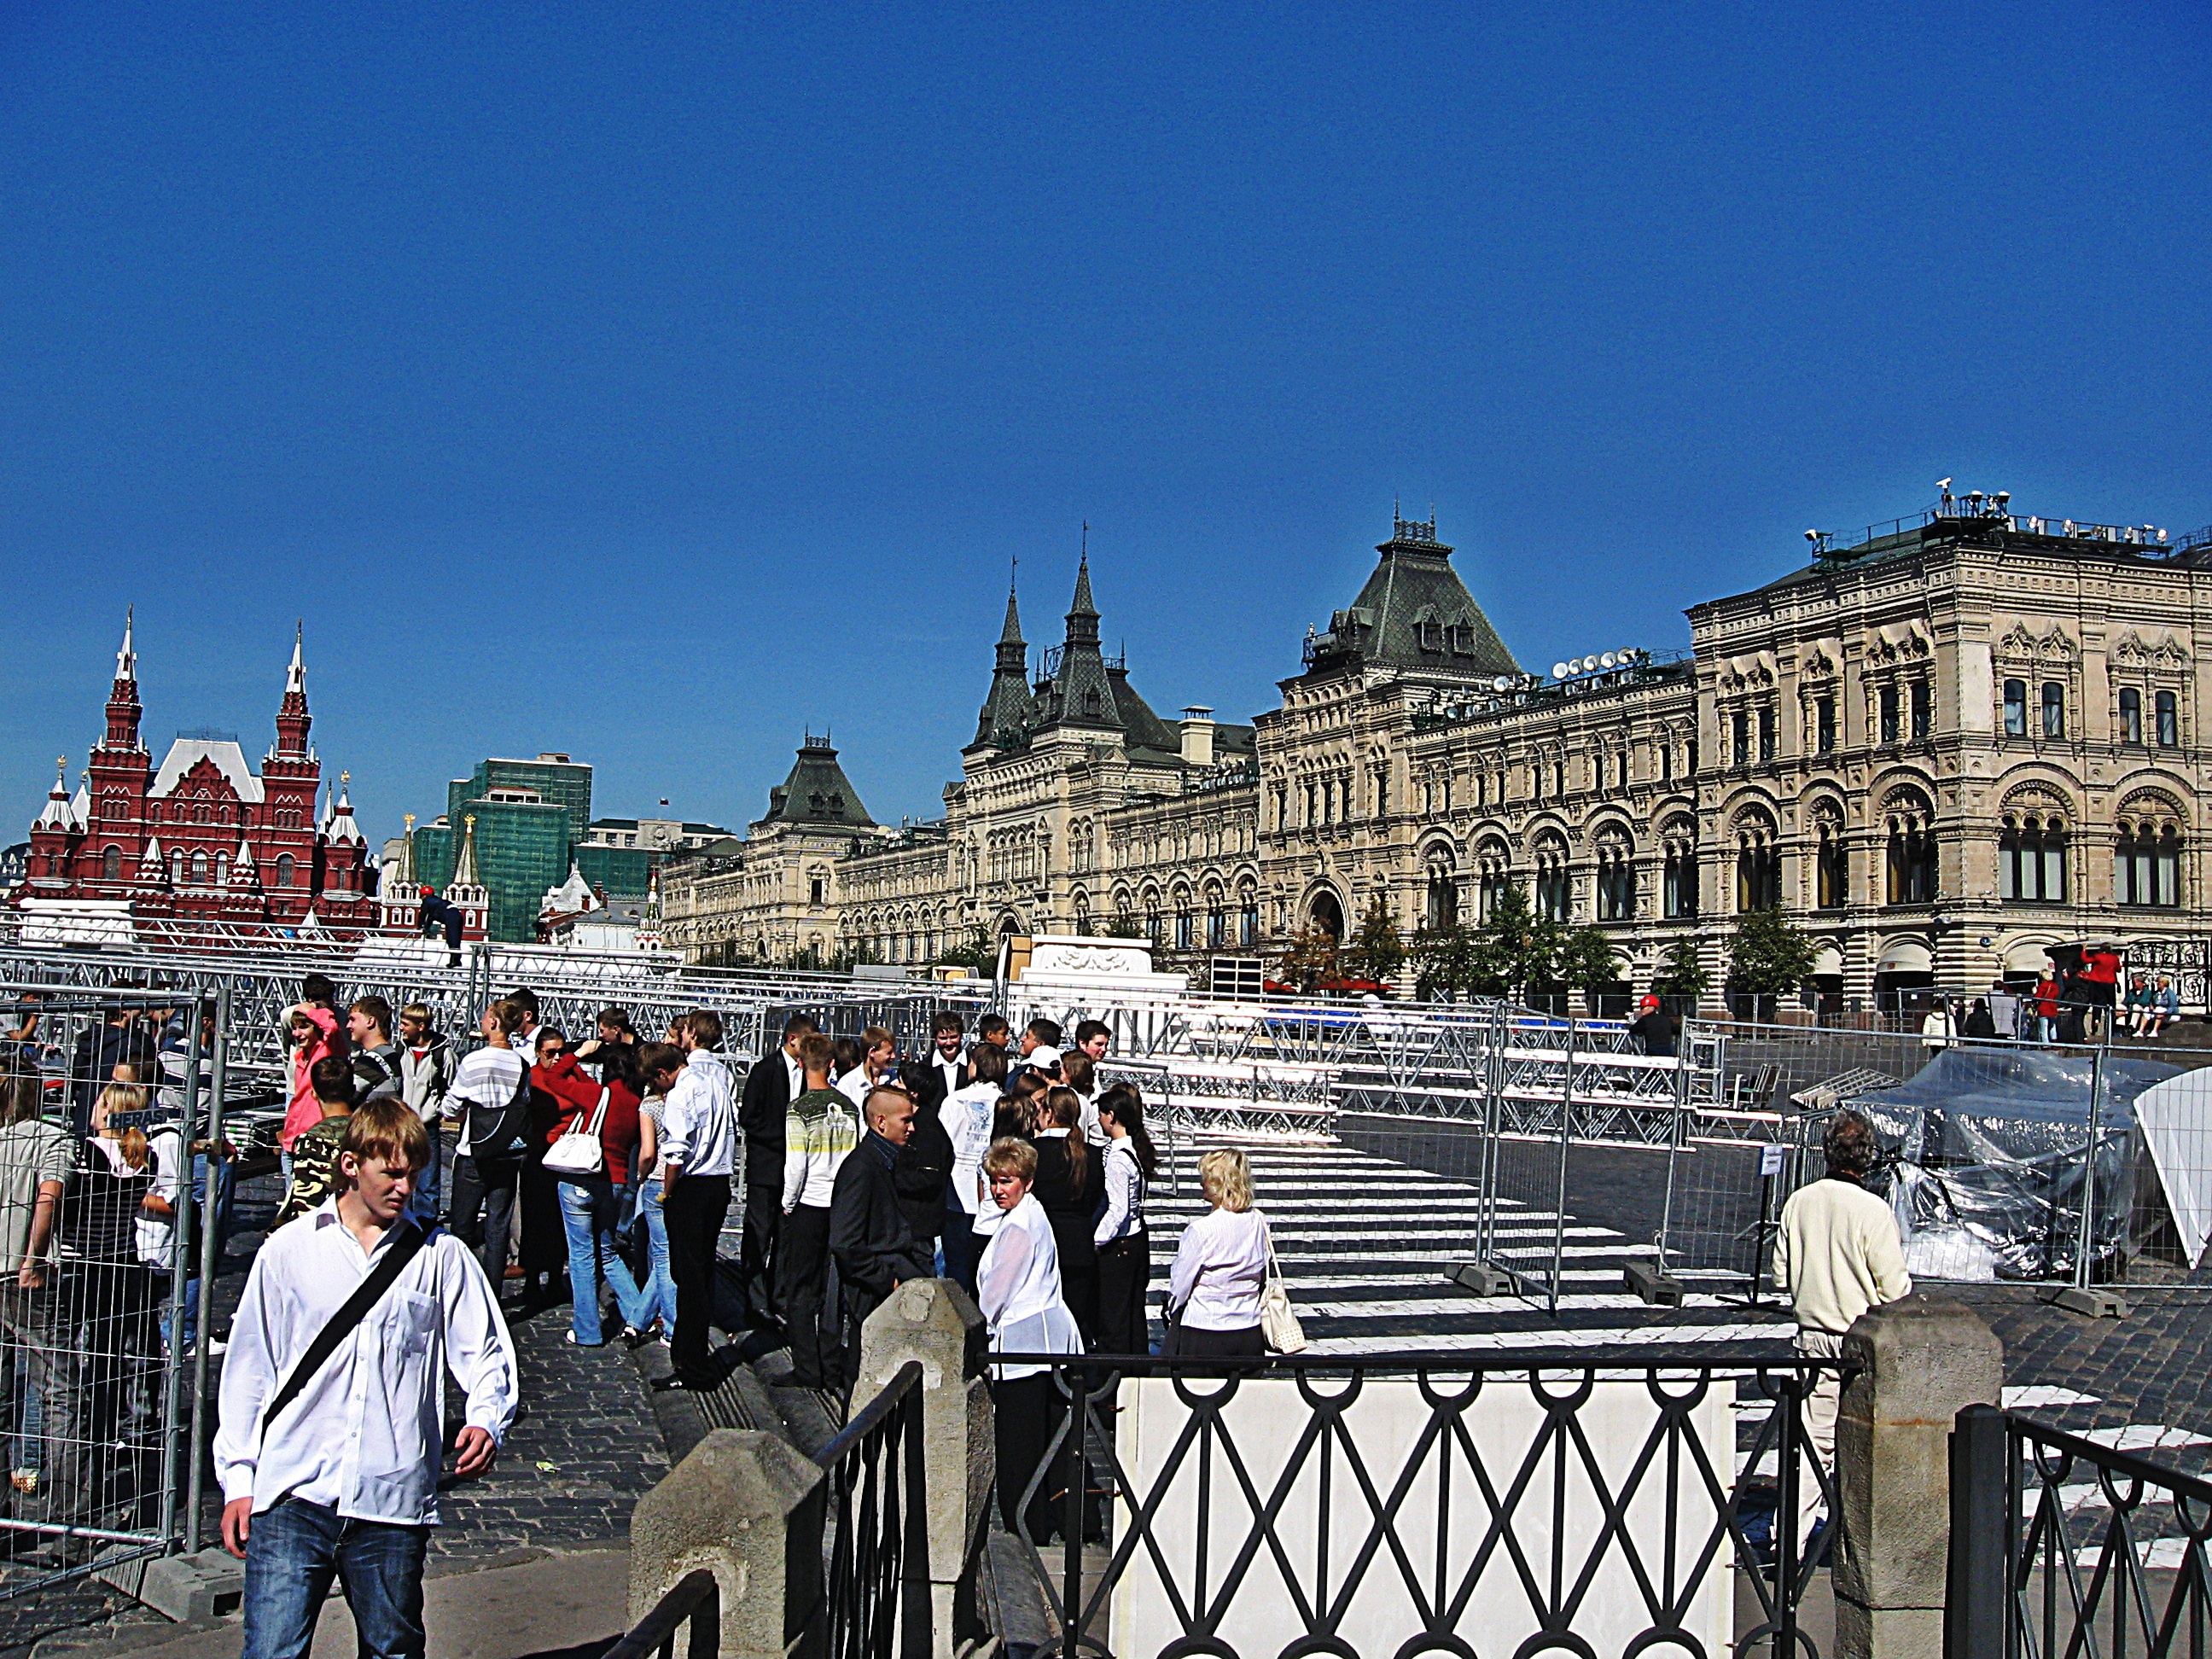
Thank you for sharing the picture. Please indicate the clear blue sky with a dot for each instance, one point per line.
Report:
(653, 382)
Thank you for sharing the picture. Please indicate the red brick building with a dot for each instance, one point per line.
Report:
(203, 837)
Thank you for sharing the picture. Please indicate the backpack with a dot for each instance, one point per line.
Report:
(371, 1073)
(498, 1134)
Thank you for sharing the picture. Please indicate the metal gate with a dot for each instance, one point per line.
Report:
(110, 1156)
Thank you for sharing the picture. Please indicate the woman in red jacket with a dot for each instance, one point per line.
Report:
(588, 1196)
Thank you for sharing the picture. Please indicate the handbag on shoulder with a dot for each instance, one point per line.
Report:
(578, 1151)
(1279, 1320)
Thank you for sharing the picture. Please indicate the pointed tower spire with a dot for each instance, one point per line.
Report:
(123, 709)
(1083, 614)
(293, 719)
(464, 866)
(1007, 705)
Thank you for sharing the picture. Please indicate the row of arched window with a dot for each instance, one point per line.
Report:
(198, 869)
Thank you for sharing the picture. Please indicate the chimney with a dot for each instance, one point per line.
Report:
(1198, 736)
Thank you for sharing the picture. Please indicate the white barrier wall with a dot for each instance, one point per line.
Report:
(1442, 1520)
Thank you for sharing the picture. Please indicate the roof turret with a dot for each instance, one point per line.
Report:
(1414, 614)
(816, 792)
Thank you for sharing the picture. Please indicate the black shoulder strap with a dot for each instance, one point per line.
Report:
(397, 1254)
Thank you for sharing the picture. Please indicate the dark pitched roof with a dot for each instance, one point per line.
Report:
(1415, 614)
(816, 792)
(1081, 691)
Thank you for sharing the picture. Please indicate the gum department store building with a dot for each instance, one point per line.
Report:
(1965, 737)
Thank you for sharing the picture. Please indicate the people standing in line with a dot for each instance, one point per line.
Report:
(38, 1161)
(875, 1249)
(771, 1086)
(1016, 1114)
(105, 1054)
(612, 1029)
(966, 1117)
(334, 1473)
(948, 1060)
(1079, 1071)
(313, 1034)
(375, 1057)
(426, 1072)
(993, 1029)
(820, 1131)
(657, 1303)
(2005, 1011)
(1094, 1037)
(315, 1153)
(2046, 1008)
(541, 1245)
(848, 1072)
(588, 1197)
(1018, 1287)
(699, 1154)
(490, 1100)
(1980, 1022)
(1937, 1027)
(1837, 1252)
(1067, 1187)
(1125, 1251)
(113, 1295)
(923, 1173)
(1655, 1032)
(1220, 1266)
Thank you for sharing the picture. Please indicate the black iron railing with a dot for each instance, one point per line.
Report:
(693, 1599)
(1585, 1500)
(878, 1600)
(2061, 1548)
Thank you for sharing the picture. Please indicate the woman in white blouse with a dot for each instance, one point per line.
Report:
(1221, 1266)
(1125, 1253)
(1018, 1288)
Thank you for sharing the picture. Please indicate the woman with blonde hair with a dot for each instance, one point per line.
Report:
(1018, 1287)
(1220, 1266)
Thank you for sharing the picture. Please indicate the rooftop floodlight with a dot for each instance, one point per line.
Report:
(1560, 670)
(2001, 497)
(1813, 536)
(1628, 652)
(1604, 659)
(1942, 483)
(1501, 684)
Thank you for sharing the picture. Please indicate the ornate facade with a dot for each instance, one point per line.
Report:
(203, 837)
(1963, 738)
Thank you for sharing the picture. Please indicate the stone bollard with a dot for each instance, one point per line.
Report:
(746, 1505)
(1920, 1362)
(933, 1321)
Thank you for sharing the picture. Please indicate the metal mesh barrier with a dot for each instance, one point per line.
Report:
(110, 1157)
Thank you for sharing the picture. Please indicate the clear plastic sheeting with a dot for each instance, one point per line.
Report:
(2176, 1116)
(1994, 1144)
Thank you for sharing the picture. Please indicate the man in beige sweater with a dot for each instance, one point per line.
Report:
(1838, 1254)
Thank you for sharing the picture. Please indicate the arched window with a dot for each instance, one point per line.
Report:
(2147, 864)
(1758, 868)
(2015, 709)
(2032, 859)
(1440, 897)
(2054, 709)
(1616, 877)
(285, 866)
(2166, 710)
(111, 864)
(1912, 855)
(199, 869)
(2130, 714)
(1554, 895)
(1740, 738)
(177, 869)
(1678, 888)
(1831, 861)
(1248, 917)
(1886, 713)
(222, 869)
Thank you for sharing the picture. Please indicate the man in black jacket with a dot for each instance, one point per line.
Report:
(775, 1081)
(875, 1249)
(924, 1169)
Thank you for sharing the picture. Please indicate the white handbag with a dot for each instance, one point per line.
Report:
(1279, 1320)
(578, 1152)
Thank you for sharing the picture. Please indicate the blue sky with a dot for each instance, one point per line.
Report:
(653, 383)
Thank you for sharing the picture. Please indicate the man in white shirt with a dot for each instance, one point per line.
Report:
(342, 1479)
(948, 1062)
(1837, 1253)
(488, 1100)
(699, 1153)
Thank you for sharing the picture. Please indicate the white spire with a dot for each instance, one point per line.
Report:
(55, 817)
(126, 659)
(338, 825)
(295, 677)
(151, 866)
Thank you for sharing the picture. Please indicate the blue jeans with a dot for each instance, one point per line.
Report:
(587, 1218)
(423, 1204)
(658, 1301)
(292, 1553)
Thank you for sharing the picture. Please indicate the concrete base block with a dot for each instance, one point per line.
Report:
(208, 1585)
(2096, 1302)
(1482, 1279)
(1651, 1284)
(1888, 1633)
